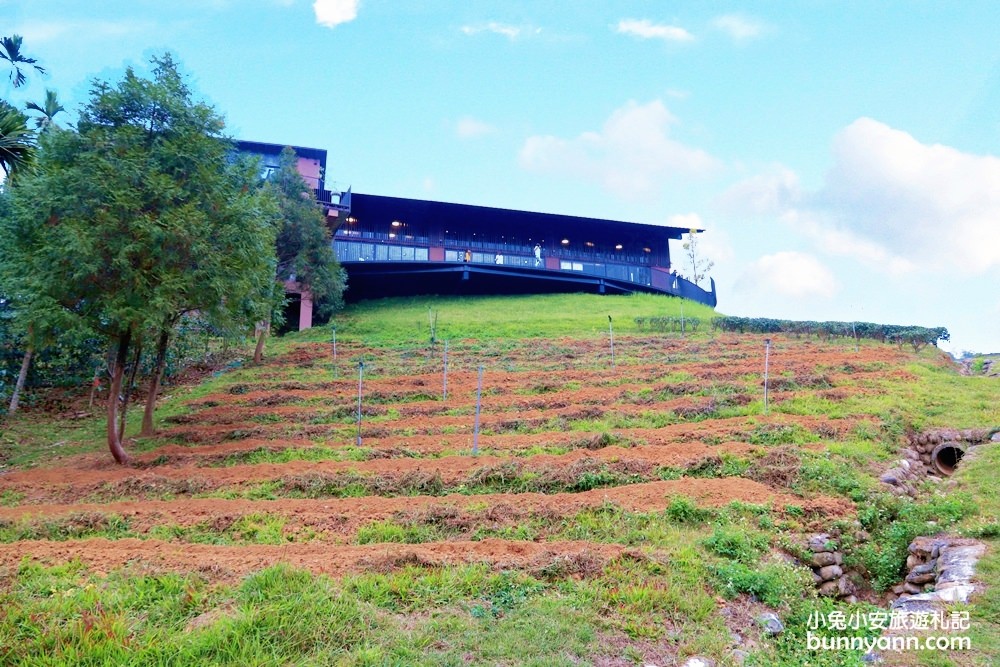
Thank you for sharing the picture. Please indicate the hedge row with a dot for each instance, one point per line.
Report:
(668, 323)
(916, 336)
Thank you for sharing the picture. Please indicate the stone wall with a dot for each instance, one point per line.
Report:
(826, 562)
(916, 464)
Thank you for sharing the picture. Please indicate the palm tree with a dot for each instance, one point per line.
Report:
(48, 109)
(17, 142)
(10, 50)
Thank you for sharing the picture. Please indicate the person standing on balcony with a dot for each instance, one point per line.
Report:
(538, 255)
(468, 255)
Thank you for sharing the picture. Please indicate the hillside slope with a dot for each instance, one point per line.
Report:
(628, 510)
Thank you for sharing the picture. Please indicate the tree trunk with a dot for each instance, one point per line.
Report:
(258, 353)
(129, 387)
(21, 379)
(114, 394)
(154, 383)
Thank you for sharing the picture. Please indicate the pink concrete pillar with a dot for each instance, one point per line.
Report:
(306, 311)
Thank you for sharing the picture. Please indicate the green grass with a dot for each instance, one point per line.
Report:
(681, 566)
(393, 322)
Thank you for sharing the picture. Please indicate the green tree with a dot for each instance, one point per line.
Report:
(132, 212)
(17, 141)
(48, 110)
(10, 51)
(304, 250)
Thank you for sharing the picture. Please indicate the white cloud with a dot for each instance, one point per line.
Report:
(631, 156)
(740, 28)
(331, 13)
(712, 245)
(931, 204)
(790, 274)
(646, 29)
(892, 202)
(772, 192)
(686, 221)
(511, 32)
(470, 128)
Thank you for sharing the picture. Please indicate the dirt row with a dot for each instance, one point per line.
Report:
(414, 459)
(42, 485)
(227, 563)
(342, 517)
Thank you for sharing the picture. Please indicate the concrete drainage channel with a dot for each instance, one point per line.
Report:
(934, 455)
(939, 569)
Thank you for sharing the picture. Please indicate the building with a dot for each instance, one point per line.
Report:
(392, 246)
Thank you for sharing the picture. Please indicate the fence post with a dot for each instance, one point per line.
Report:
(479, 402)
(767, 355)
(336, 370)
(361, 375)
(611, 334)
(444, 395)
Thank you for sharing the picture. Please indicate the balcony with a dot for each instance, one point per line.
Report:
(495, 267)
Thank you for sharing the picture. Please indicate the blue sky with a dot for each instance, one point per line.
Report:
(842, 156)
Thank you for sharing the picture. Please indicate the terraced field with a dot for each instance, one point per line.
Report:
(651, 504)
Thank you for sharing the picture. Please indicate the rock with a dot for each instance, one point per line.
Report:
(829, 588)
(817, 579)
(913, 561)
(995, 437)
(823, 558)
(897, 589)
(820, 542)
(911, 588)
(958, 563)
(851, 599)
(739, 657)
(862, 536)
(698, 661)
(920, 579)
(771, 623)
(891, 477)
(845, 587)
(736, 638)
(830, 572)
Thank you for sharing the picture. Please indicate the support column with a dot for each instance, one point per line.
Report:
(306, 311)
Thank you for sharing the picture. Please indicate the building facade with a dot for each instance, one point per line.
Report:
(392, 246)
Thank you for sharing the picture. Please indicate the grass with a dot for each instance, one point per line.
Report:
(660, 602)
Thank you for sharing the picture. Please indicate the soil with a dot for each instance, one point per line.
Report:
(537, 394)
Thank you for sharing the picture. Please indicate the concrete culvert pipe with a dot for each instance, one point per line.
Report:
(946, 456)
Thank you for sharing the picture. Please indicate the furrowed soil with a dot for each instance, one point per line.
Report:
(654, 491)
(561, 431)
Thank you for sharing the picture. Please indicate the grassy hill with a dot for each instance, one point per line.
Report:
(634, 510)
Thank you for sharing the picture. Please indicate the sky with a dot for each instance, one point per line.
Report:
(843, 158)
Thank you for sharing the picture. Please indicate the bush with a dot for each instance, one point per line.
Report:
(773, 584)
(736, 543)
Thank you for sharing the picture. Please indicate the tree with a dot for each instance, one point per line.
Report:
(139, 213)
(699, 265)
(10, 50)
(17, 141)
(303, 246)
(48, 109)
